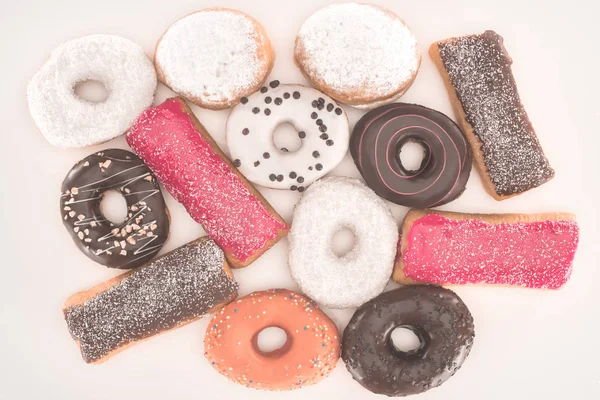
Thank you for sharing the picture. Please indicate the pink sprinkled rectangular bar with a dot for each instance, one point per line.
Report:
(186, 159)
(446, 248)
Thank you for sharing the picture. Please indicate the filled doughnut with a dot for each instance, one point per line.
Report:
(378, 138)
(121, 66)
(528, 250)
(362, 55)
(439, 319)
(145, 229)
(311, 351)
(190, 165)
(328, 206)
(478, 75)
(214, 57)
(171, 291)
(321, 124)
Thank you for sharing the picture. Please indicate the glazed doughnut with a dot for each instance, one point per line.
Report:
(437, 316)
(311, 351)
(328, 206)
(65, 119)
(171, 291)
(214, 57)
(359, 54)
(146, 227)
(528, 250)
(321, 124)
(376, 143)
(478, 76)
(188, 162)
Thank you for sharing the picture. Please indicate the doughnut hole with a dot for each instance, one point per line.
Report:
(113, 206)
(91, 91)
(406, 340)
(343, 241)
(271, 341)
(411, 155)
(286, 138)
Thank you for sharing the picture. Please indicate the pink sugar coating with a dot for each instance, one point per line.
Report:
(530, 254)
(198, 177)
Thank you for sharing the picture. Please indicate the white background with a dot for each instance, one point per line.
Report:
(529, 344)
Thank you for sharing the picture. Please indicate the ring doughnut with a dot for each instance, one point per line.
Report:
(362, 55)
(437, 316)
(376, 143)
(215, 56)
(329, 205)
(146, 228)
(309, 354)
(65, 119)
(321, 124)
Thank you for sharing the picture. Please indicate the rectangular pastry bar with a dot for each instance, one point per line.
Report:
(173, 290)
(478, 76)
(448, 248)
(186, 159)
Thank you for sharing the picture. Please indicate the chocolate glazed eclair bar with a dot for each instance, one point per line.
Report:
(477, 73)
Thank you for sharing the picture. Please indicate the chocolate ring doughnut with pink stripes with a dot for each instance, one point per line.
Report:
(377, 141)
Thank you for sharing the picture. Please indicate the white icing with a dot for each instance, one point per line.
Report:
(212, 55)
(249, 149)
(358, 47)
(361, 274)
(120, 65)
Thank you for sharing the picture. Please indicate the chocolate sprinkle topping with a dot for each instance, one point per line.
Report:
(245, 131)
(267, 111)
(244, 100)
(338, 111)
(278, 101)
(266, 155)
(316, 154)
(255, 110)
(330, 107)
(479, 69)
(268, 100)
(274, 84)
(256, 163)
(319, 167)
(176, 288)
(329, 142)
(296, 95)
(314, 115)
(293, 175)
(237, 163)
(301, 134)
(286, 95)
(263, 89)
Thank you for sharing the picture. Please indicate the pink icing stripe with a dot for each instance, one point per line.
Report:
(198, 177)
(457, 252)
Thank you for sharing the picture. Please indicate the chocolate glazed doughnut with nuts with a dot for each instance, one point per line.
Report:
(146, 227)
(439, 319)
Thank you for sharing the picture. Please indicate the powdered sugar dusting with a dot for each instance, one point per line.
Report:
(354, 46)
(457, 252)
(196, 175)
(211, 55)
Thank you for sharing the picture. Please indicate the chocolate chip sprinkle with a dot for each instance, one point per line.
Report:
(320, 106)
(301, 189)
(300, 179)
(316, 154)
(267, 112)
(279, 178)
(323, 128)
(245, 131)
(237, 163)
(255, 110)
(330, 107)
(256, 163)
(338, 111)
(244, 100)
(278, 101)
(293, 187)
(301, 134)
(272, 177)
(314, 104)
(319, 167)
(266, 155)
(286, 95)
(329, 142)
(296, 95)
(268, 99)
(293, 175)
(314, 115)
(263, 89)
(324, 136)
(274, 84)
(310, 168)
(319, 122)
(178, 287)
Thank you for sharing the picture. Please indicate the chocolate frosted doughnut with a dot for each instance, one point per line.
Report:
(437, 316)
(376, 143)
(146, 228)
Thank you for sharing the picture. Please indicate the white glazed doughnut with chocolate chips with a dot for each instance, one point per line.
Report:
(145, 229)
(321, 123)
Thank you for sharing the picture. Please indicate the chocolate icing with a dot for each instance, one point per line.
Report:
(375, 146)
(176, 288)
(436, 315)
(137, 239)
(479, 69)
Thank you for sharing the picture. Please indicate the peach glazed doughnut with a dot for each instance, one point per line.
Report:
(309, 354)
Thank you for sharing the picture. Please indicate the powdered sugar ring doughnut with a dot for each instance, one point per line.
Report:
(321, 124)
(214, 57)
(67, 120)
(359, 54)
(328, 206)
